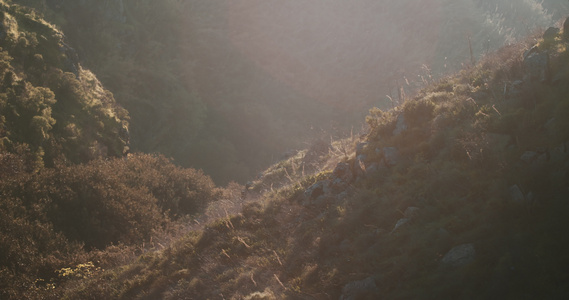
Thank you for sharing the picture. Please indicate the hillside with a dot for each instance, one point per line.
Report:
(69, 192)
(229, 86)
(459, 193)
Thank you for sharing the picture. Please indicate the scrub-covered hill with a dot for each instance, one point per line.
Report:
(459, 193)
(69, 192)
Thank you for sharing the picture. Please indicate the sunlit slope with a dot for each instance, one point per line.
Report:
(458, 193)
(49, 104)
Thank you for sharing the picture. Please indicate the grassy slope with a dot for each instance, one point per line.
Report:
(459, 156)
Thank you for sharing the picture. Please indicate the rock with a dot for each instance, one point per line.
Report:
(514, 89)
(363, 289)
(528, 156)
(390, 156)
(400, 126)
(411, 212)
(559, 153)
(71, 63)
(536, 66)
(343, 172)
(517, 194)
(337, 186)
(551, 33)
(460, 255)
(360, 148)
(530, 51)
(399, 223)
(360, 166)
(343, 195)
(372, 168)
(315, 190)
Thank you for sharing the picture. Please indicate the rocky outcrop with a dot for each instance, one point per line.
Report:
(550, 33)
(390, 156)
(399, 223)
(536, 65)
(316, 190)
(460, 255)
(360, 147)
(342, 176)
(333, 188)
(363, 289)
(518, 196)
(409, 214)
(528, 156)
(71, 62)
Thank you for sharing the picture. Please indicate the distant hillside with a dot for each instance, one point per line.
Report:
(229, 86)
(459, 193)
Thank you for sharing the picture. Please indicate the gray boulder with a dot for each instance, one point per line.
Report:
(363, 289)
(343, 172)
(536, 66)
(399, 223)
(551, 33)
(360, 148)
(516, 194)
(460, 255)
(528, 156)
(373, 168)
(360, 166)
(390, 156)
(316, 190)
(411, 212)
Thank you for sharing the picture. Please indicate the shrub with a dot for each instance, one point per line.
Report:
(418, 111)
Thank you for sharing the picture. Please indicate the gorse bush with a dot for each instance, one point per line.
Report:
(418, 111)
(64, 211)
(47, 100)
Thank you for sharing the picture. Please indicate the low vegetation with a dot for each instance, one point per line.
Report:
(462, 153)
(481, 161)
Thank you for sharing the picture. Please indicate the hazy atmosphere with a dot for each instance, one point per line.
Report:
(284, 149)
(229, 86)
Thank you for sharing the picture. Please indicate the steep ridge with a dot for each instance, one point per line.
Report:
(69, 193)
(458, 193)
